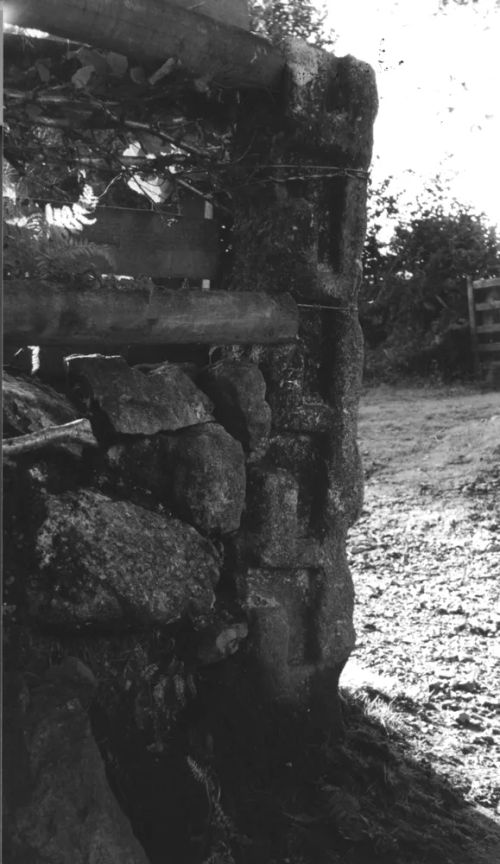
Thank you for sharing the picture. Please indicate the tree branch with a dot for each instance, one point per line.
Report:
(78, 431)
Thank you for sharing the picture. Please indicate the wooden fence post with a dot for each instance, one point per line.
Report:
(472, 322)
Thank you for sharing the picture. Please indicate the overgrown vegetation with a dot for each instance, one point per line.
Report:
(44, 242)
(413, 302)
(141, 137)
(172, 137)
(279, 19)
(80, 122)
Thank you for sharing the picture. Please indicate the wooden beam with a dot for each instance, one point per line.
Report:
(473, 325)
(494, 282)
(234, 12)
(488, 306)
(128, 313)
(155, 30)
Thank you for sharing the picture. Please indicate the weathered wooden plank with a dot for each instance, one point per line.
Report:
(151, 243)
(39, 314)
(154, 30)
(488, 307)
(488, 328)
(494, 282)
(234, 12)
(473, 325)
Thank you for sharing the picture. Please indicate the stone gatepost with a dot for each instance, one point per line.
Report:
(300, 227)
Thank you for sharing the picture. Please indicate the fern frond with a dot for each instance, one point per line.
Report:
(197, 771)
(40, 244)
(218, 817)
(88, 199)
(76, 256)
(71, 218)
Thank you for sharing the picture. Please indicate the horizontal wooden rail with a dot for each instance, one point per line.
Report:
(488, 307)
(128, 313)
(484, 323)
(234, 12)
(154, 31)
(494, 282)
(488, 347)
(488, 328)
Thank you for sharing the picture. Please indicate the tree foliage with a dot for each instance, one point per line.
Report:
(144, 136)
(458, 2)
(279, 19)
(415, 288)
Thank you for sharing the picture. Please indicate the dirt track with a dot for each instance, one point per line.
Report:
(427, 438)
(425, 558)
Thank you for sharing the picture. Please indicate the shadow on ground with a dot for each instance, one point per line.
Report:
(260, 787)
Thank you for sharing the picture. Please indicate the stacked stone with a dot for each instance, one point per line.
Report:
(215, 506)
(249, 464)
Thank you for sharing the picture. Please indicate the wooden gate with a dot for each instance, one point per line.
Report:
(484, 316)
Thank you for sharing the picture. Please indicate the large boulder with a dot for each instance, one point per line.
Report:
(197, 474)
(133, 403)
(140, 464)
(58, 806)
(208, 478)
(104, 563)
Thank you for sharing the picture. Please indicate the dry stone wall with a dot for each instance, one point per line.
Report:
(206, 527)
(304, 234)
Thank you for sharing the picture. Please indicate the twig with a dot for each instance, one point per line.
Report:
(152, 130)
(207, 196)
(58, 96)
(78, 431)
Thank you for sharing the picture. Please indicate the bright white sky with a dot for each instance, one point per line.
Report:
(438, 76)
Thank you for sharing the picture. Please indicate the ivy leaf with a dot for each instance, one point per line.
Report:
(201, 85)
(43, 70)
(137, 75)
(117, 63)
(152, 143)
(82, 76)
(90, 57)
(156, 189)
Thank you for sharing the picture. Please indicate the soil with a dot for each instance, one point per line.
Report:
(425, 558)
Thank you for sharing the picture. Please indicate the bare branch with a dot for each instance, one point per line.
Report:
(78, 431)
